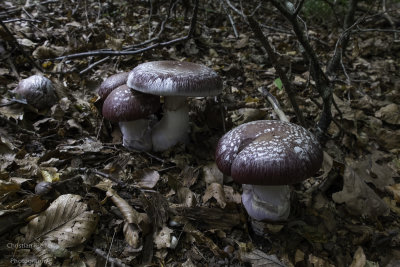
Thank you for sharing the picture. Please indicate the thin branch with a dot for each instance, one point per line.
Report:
(389, 18)
(150, 47)
(275, 105)
(274, 61)
(20, 48)
(230, 18)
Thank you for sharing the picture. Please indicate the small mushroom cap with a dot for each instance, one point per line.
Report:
(269, 152)
(38, 91)
(112, 82)
(175, 78)
(125, 104)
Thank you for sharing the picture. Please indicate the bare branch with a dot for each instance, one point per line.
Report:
(138, 51)
(274, 61)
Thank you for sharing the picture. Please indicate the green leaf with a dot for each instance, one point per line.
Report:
(278, 83)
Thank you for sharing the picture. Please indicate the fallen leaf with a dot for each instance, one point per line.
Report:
(162, 239)
(358, 197)
(66, 221)
(148, 178)
(258, 258)
(215, 191)
(359, 259)
(389, 114)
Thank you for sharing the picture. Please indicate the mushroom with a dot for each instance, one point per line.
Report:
(132, 109)
(266, 156)
(38, 91)
(175, 81)
(112, 82)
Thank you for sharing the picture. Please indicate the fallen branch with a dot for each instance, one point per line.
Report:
(138, 51)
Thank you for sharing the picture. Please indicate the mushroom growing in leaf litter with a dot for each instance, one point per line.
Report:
(38, 91)
(266, 156)
(111, 83)
(175, 81)
(132, 110)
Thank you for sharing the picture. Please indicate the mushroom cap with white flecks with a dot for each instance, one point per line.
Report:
(175, 78)
(269, 152)
(112, 82)
(125, 104)
(38, 91)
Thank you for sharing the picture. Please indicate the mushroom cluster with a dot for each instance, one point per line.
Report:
(130, 98)
(175, 81)
(266, 157)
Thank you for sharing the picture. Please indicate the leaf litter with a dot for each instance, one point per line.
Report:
(175, 208)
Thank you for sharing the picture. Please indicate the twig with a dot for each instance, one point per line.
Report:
(153, 46)
(113, 261)
(389, 18)
(91, 66)
(275, 104)
(274, 61)
(230, 18)
(19, 47)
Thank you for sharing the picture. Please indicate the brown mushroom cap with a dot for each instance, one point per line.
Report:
(175, 78)
(112, 82)
(269, 152)
(38, 91)
(125, 104)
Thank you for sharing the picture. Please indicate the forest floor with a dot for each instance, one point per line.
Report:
(175, 208)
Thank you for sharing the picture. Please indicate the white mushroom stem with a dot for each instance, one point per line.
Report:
(136, 134)
(173, 126)
(270, 203)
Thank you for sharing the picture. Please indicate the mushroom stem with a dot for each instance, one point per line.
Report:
(173, 126)
(136, 134)
(271, 203)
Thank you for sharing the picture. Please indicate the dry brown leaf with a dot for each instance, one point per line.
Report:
(380, 175)
(131, 233)
(358, 197)
(162, 239)
(359, 259)
(204, 240)
(148, 178)
(395, 191)
(389, 139)
(129, 213)
(215, 191)
(257, 257)
(212, 174)
(231, 196)
(66, 222)
(186, 197)
(389, 114)
(318, 262)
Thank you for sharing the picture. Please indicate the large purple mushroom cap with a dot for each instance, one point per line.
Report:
(175, 78)
(269, 152)
(125, 104)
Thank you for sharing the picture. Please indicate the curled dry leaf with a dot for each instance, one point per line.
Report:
(215, 191)
(129, 213)
(358, 197)
(131, 233)
(67, 222)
